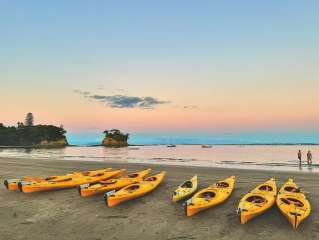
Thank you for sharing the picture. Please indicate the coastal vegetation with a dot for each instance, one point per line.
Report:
(29, 135)
(115, 138)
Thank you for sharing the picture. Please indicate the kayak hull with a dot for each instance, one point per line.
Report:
(185, 190)
(209, 197)
(258, 201)
(31, 187)
(114, 184)
(13, 184)
(135, 190)
(293, 203)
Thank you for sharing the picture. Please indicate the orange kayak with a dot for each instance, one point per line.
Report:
(258, 201)
(292, 203)
(134, 190)
(12, 184)
(73, 181)
(112, 184)
(211, 196)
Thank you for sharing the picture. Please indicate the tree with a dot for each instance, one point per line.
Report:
(29, 120)
(116, 135)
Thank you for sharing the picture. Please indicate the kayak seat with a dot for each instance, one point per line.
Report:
(132, 188)
(151, 179)
(105, 183)
(187, 184)
(96, 175)
(133, 175)
(292, 189)
(266, 188)
(207, 195)
(222, 185)
(294, 201)
(255, 199)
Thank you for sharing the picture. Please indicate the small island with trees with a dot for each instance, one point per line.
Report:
(115, 138)
(29, 135)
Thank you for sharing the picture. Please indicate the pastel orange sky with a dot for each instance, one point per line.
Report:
(208, 67)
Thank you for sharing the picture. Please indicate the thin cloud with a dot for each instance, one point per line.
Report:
(190, 107)
(84, 93)
(123, 101)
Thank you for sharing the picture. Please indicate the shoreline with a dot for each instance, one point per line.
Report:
(158, 164)
(64, 214)
(166, 144)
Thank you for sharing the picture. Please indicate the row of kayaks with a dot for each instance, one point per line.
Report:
(290, 199)
(118, 188)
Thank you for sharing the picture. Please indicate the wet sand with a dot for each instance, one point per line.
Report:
(65, 215)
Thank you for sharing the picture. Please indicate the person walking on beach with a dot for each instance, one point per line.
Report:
(309, 157)
(299, 156)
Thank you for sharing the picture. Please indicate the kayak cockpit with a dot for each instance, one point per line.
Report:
(266, 188)
(151, 179)
(292, 189)
(109, 182)
(222, 185)
(255, 199)
(207, 195)
(187, 184)
(293, 201)
(133, 175)
(132, 188)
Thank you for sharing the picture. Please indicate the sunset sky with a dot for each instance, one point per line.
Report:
(184, 67)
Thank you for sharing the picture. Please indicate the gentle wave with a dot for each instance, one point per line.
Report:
(235, 156)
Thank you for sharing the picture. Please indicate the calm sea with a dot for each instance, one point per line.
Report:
(268, 157)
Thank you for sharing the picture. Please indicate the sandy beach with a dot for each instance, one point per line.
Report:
(65, 215)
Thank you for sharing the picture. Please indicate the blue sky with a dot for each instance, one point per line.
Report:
(224, 66)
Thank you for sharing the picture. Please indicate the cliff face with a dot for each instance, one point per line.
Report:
(110, 142)
(53, 144)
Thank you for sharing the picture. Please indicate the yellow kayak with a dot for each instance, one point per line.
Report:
(74, 181)
(211, 196)
(134, 190)
(12, 184)
(292, 203)
(112, 184)
(185, 190)
(257, 201)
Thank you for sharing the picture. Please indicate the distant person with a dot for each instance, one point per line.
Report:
(309, 157)
(299, 156)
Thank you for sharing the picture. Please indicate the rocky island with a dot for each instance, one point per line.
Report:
(29, 135)
(115, 138)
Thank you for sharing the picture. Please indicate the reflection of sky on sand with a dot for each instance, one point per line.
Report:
(269, 157)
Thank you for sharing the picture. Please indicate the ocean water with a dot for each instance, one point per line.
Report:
(267, 157)
(95, 138)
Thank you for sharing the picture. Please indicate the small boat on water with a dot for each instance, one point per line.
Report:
(171, 145)
(134, 148)
(207, 146)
